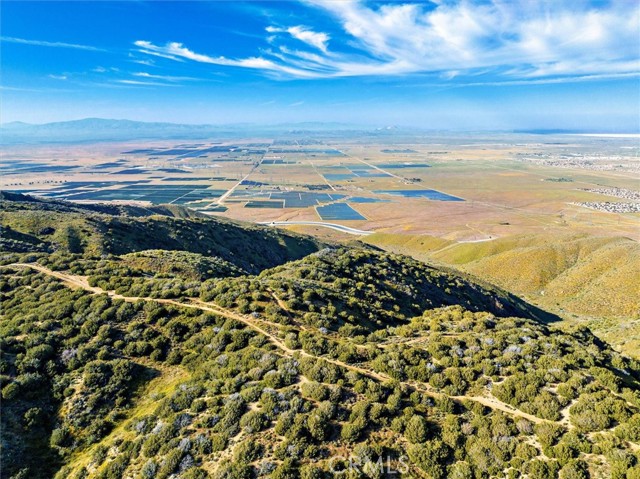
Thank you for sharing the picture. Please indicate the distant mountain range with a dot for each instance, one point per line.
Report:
(92, 129)
(100, 129)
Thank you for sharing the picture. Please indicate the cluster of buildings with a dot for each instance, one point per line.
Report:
(617, 192)
(611, 207)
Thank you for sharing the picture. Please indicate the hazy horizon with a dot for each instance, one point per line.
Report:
(311, 126)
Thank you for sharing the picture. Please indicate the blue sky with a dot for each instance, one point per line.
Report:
(440, 65)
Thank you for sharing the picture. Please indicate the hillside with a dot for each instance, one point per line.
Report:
(590, 277)
(92, 231)
(146, 356)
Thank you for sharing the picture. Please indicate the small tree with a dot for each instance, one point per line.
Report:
(416, 430)
(574, 470)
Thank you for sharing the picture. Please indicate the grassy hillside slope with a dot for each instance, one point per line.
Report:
(573, 275)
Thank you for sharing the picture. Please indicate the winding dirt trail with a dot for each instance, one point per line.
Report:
(71, 280)
(81, 282)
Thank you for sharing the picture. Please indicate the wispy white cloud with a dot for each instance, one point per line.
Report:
(163, 77)
(144, 83)
(58, 77)
(178, 51)
(541, 38)
(15, 88)
(41, 43)
(513, 41)
(159, 54)
(148, 63)
(317, 40)
(101, 69)
(537, 81)
(135, 58)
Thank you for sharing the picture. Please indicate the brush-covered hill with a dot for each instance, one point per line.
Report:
(592, 275)
(588, 274)
(32, 225)
(157, 362)
(571, 274)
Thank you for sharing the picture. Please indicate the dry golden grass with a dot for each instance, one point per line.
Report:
(580, 277)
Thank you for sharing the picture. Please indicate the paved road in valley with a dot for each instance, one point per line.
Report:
(333, 226)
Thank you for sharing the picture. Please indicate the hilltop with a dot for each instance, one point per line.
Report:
(156, 356)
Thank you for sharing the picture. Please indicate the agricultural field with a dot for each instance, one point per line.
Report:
(530, 213)
(461, 188)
